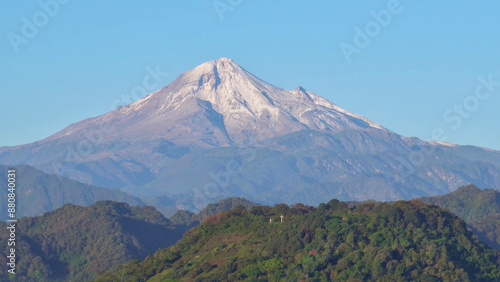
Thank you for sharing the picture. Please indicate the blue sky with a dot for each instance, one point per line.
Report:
(417, 70)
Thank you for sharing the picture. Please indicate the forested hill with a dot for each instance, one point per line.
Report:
(469, 202)
(479, 208)
(370, 242)
(73, 243)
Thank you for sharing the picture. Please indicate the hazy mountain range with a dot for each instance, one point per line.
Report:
(38, 192)
(219, 131)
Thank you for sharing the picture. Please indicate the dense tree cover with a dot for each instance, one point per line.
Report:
(39, 192)
(469, 202)
(370, 242)
(76, 242)
(487, 229)
(479, 208)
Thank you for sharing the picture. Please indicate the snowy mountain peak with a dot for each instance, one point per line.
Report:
(218, 103)
(300, 89)
(221, 65)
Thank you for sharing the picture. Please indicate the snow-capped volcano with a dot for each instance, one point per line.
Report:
(185, 137)
(219, 103)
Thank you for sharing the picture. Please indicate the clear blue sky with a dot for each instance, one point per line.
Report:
(416, 67)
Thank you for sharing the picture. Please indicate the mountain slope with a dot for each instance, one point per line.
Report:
(309, 166)
(38, 192)
(399, 242)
